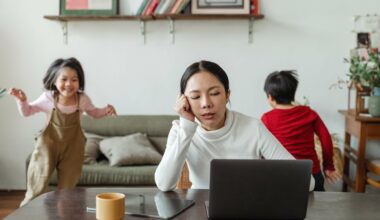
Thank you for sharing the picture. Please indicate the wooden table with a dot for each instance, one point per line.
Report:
(71, 204)
(363, 128)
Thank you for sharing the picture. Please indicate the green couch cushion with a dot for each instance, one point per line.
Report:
(159, 143)
(92, 148)
(157, 127)
(103, 174)
(134, 149)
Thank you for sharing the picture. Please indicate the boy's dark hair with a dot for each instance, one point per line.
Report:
(207, 66)
(52, 73)
(282, 86)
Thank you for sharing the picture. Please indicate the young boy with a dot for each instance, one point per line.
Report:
(294, 126)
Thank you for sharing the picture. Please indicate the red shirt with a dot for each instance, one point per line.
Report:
(295, 129)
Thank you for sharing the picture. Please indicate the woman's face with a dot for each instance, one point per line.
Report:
(207, 98)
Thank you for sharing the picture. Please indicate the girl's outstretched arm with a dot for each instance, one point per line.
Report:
(87, 106)
(27, 109)
(18, 94)
(111, 110)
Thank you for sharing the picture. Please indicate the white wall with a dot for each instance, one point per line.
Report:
(312, 37)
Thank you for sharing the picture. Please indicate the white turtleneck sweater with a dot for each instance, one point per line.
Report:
(242, 137)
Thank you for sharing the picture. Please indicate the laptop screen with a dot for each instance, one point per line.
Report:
(262, 189)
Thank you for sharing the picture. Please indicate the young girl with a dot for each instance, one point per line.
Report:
(61, 144)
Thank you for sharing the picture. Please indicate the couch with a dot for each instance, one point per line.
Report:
(100, 173)
(157, 129)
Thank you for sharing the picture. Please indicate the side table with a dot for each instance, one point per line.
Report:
(363, 128)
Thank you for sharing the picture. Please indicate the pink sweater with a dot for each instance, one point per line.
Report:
(45, 103)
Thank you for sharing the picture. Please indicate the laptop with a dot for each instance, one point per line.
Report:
(258, 189)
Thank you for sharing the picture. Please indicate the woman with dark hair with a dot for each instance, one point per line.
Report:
(60, 146)
(208, 130)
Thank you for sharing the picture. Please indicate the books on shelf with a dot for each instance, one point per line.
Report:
(148, 7)
(142, 7)
(166, 7)
(152, 7)
(161, 7)
(162, 2)
(254, 7)
(179, 6)
(175, 7)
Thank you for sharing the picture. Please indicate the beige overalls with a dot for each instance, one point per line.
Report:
(60, 146)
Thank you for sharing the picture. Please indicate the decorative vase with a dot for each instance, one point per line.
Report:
(374, 106)
(376, 91)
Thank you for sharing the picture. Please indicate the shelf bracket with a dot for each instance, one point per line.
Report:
(172, 30)
(250, 30)
(143, 30)
(65, 30)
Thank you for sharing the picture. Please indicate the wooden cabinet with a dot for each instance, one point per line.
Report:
(363, 128)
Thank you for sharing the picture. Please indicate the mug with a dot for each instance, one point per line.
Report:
(110, 206)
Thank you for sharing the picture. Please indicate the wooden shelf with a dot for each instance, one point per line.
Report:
(150, 18)
(64, 19)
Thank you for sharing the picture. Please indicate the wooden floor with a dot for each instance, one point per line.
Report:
(10, 201)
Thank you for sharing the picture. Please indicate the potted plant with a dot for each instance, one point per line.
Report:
(365, 74)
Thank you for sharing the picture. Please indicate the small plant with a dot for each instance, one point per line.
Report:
(365, 71)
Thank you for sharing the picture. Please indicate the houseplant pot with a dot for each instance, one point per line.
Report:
(374, 102)
(366, 72)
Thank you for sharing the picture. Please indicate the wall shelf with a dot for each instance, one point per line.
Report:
(64, 19)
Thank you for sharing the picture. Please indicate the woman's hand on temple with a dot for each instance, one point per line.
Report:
(18, 94)
(183, 109)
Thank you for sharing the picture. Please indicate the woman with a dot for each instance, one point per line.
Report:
(207, 130)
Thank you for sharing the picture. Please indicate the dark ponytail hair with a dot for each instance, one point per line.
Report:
(207, 66)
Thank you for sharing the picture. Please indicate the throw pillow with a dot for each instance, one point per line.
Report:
(337, 155)
(91, 149)
(134, 149)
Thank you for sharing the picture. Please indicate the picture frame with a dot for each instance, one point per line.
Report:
(220, 6)
(89, 7)
(363, 40)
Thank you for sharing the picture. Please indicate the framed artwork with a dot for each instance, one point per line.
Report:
(88, 7)
(363, 40)
(220, 6)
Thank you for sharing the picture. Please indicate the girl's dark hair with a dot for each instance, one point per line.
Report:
(282, 86)
(207, 66)
(52, 73)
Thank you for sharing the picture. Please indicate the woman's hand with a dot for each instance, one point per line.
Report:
(183, 109)
(18, 94)
(110, 110)
(332, 176)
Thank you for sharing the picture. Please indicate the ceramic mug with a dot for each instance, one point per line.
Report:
(110, 206)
